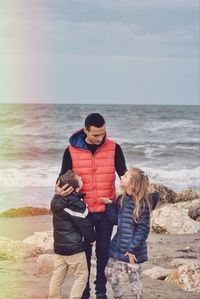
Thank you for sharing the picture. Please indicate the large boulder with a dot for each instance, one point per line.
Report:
(175, 263)
(186, 195)
(192, 207)
(186, 277)
(157, 273)
(16, 250)
(42, 240)
(167, 195)
(172, 220)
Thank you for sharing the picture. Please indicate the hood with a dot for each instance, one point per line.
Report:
(78, 140)
(72, 201)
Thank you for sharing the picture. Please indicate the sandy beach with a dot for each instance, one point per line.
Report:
(21, 278)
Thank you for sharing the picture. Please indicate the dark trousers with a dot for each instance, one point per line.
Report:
(103, 235)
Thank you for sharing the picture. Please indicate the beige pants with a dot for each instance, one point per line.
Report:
(77, 264)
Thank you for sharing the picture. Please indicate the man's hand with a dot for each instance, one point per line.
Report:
(132, 258)
(64, 191)
(105, 200)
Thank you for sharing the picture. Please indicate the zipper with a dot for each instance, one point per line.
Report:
(94, 178)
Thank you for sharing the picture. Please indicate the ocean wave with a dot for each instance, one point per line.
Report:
(173, 124)
(34, 137)
(42, 175)
(164, 150)
(10, 122)
(29, 153)
(176, 179)
(29, 175)
(37, 190)
(160, 144)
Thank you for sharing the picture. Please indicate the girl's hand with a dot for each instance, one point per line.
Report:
(132, 258)
(64, 191)
(105, 200)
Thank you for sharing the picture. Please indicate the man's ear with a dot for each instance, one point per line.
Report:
(85, 130)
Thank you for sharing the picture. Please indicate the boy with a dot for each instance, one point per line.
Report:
(71, 230)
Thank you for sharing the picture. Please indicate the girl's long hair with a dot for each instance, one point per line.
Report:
(139, 183)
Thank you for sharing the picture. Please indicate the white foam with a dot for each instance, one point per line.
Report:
(34, 176)
(45, 175)
(176, 179)
(176, 124)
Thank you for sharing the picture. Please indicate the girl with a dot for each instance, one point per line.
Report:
(128, 248)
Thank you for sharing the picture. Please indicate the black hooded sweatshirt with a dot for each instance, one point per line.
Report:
(72, 228)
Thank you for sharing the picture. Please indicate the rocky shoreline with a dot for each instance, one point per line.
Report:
(172, 272)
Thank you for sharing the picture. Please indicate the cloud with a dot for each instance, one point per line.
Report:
(114, 28)
(99, 43)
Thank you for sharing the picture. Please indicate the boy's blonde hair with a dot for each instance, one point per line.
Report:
(139, 183)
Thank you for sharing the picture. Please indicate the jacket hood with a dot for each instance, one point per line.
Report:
(78, 140)
(72, 201)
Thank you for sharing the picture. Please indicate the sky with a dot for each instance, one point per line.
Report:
(100, 51)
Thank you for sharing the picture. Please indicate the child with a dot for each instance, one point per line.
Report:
(128, 248)
(71, 229)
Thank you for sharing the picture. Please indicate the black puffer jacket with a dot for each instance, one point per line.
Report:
(71, 226)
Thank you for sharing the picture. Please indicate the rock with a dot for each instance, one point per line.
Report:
(157, 273)
(191, 248)
(186, 277)
(16, 250)
(42, 240)
(192, 207)
(25, 211)
(180, 262)
(186, 195)
(166, 194)
(45, 263)
(198, 219)
(173, 220)
(194, 210)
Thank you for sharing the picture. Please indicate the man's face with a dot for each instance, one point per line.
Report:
(95, 135)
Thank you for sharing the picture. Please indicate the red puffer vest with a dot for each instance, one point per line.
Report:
(97, 172)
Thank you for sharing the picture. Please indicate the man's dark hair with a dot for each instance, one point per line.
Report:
(69, 178)
(94, 119)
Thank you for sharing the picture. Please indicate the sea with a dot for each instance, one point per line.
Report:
(162, 140)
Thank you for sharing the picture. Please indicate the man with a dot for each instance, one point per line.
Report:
(95, 158)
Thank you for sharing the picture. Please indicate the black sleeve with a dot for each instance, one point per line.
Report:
(66, 162)
(85, 228)
(120, 163)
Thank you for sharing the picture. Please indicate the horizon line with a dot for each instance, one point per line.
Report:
(97, 104)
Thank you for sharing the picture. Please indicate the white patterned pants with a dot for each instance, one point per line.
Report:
(116, 269)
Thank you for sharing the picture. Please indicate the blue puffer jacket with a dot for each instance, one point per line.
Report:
(130, 236)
